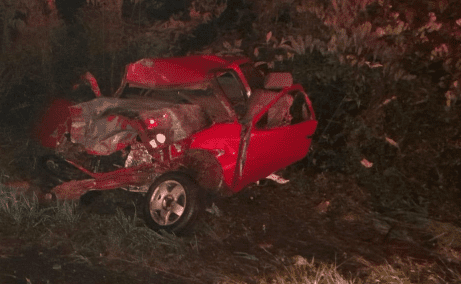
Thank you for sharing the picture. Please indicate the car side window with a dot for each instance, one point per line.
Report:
(234, 91)
(254, 76)
(288, 110)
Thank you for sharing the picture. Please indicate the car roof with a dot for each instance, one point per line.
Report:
(177, 71)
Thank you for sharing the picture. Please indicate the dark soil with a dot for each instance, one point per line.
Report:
(34, 264)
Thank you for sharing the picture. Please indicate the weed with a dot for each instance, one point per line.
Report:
(21, 210)
(66, 212)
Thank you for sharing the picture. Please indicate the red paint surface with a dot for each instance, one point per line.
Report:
(53, 124)
(176, 70)
(272, 149)
(224, 138)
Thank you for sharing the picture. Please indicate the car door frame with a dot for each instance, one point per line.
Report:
(248, 128)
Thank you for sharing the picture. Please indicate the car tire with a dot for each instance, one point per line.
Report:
(173, 203)
(45, 178)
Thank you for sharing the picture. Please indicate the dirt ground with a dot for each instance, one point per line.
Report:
(337, 226)
(40, 265)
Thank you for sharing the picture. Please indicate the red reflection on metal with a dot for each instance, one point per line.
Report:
(72, 190)
(151, 123)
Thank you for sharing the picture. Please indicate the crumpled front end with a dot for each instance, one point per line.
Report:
(145, 137)
(106, 125)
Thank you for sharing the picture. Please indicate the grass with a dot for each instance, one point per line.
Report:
(258, 248)
(309, 273)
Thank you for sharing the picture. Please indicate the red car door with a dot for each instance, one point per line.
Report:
(275, 140)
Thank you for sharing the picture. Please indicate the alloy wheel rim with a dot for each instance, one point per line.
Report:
(167, 203)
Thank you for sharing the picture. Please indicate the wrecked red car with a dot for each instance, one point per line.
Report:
(178, 129)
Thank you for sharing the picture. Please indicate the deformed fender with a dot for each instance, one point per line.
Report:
(205, 168)
(74, 189)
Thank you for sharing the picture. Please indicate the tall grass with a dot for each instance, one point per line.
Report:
(119, 233)
(21, 210)
(309, 273)
(123, 239)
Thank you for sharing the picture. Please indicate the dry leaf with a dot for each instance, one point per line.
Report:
(392, 142)
(227, 45)
(366, 163)
(373, 64)
(270, 65)
(259, 63)
(278, 179)
(268, 36)
(299, 260)
(194, 14)
(322, 207)
(388, 100)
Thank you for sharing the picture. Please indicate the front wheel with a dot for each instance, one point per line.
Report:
(172, 203)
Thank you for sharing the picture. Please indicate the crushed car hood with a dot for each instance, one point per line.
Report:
(106, 125)
(184, 71)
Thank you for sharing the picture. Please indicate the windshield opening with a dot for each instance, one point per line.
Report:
(204, 98)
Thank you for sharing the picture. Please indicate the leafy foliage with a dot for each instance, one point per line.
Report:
(384, 80)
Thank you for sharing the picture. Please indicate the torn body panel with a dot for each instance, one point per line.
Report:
(223, 141)
(136, 176)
